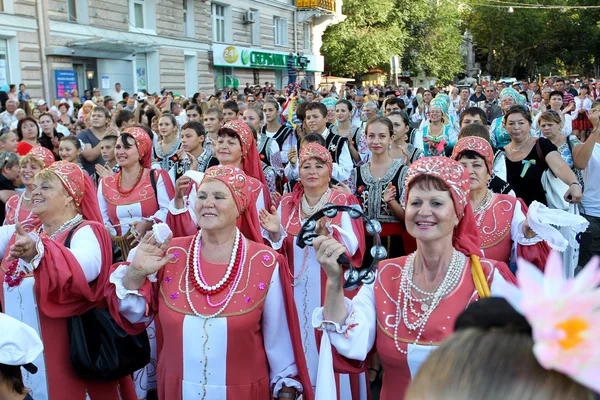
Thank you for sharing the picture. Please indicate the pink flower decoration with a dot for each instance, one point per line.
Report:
(168, 279)
(262, 286)
(174, 296)
(247, 299)
(564, 315)
(176, 255)
(266, 258)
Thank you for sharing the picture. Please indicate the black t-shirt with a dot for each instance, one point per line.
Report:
(525, 175)
(476, 98)
(5, 184)
(46, 141)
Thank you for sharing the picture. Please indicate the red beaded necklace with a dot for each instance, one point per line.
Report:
(137, 181)
(12, 277)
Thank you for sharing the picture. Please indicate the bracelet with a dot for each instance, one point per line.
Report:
(285, 395)
(575, 183)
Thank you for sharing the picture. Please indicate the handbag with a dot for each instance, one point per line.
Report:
(100, 349)
(554, 188)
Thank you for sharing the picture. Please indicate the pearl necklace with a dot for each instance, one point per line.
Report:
(199, 278)
(479, 212)
(231, 292)
(309, 210)
(453, 275)
(70, 223)
(19, 203)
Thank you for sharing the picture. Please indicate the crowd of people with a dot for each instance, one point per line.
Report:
(180, 219)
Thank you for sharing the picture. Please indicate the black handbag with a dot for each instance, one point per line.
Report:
(100, 349)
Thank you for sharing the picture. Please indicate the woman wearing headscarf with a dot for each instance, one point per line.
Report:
(225, 304)
(19, 208)
(412, 305)
(46, 282)
(136, 197)
(498, 135)
(235, 147)
(308, 197)
(438, 134)
(501, 219)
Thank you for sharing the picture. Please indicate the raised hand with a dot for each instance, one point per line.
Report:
(293, 155)
(102, 171)
(389, 194)
(23, 247)
(271, 222)
(328, 250)
(149, 258)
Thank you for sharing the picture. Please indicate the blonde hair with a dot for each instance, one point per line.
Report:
(475, 364)
(31, 159)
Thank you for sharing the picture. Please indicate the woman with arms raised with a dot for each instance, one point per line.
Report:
(225, 304)
(412, 305)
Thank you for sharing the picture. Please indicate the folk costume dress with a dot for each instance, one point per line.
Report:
(369, 192)
(59, 283)
(388, 315)
(500, 218)
(271, 161)
(145, 201)
(307, 279)
(437, 145)
(170, 161)
(237, 343)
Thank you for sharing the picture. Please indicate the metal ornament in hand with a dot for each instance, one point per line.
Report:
(353, 276)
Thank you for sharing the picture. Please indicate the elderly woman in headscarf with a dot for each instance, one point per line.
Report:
(19, 208)
(225, 304)
(309, 283)
(501, 219)
(58, 271)
(136, 197)
(438, 135)
(412, 305)
(499, 137)
(236, 147)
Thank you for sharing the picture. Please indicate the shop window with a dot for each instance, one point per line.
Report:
(188, 18)
(280, 31)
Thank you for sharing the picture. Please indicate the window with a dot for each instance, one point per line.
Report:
(307, 45)
(188, 18)
(280, 31)
(142, 16)
(191, 74)
(255, 29)
(4, 66)
(138, 13)
(72, 10)
(218, 13)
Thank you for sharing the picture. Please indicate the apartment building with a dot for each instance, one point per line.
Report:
(181, 45)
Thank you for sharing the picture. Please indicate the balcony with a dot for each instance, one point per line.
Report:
(325, 5)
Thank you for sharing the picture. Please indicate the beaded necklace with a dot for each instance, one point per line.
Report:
(126, 193)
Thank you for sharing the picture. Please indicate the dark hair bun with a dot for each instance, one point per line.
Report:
(492, 313)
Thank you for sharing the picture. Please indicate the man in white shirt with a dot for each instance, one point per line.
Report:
(117, 95)
(9, 116)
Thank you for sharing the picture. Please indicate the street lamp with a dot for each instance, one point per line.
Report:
(90, 77)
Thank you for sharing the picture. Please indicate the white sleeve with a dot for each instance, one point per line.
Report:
(342, 170)
(287, 145)
(568, 126)
(189, 202)
(84, 246)
(163, 199)
(418, 140)
(347, 233)
(499, 168)
(276, 338)
(516, 231)
(260, 201)
(416, 117)
(587, 104)
(104, 210)
(291, 172)
(6, 232)
(132, 305)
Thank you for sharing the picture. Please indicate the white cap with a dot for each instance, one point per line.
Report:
(141, 96)
(41, 102)
(19, 343)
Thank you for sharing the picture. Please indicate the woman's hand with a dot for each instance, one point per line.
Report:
(193, 161)
(328, 250)
(527, 231)
(342, 187)
(573, 195)
(389, 194)
(275, 197)
(23, 247)
(149, 258)
(139, 229)
(293, 155)
(102, 171)
(271, 222)
(181, 187)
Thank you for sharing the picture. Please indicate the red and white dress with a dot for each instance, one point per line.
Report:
(309, 280)
(245, 352)
(141, 203)
(15, 213)
(372, 319)
(500, 225)
(64, 282)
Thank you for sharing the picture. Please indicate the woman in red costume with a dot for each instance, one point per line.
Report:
(501, 219)
(19, 207)
(228, 328)
(136, 197)
(236, 147)
(412, 305)
(45, 282)
(308, 281)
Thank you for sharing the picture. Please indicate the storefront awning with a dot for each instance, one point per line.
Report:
(112, 44)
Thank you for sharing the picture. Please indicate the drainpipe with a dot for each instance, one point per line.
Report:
(296, 31)
(43, 29)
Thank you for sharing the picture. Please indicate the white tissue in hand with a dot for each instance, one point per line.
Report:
(161, 232)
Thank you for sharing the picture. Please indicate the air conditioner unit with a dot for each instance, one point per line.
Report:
(249, 17)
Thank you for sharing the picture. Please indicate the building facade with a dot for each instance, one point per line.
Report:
(183, 46)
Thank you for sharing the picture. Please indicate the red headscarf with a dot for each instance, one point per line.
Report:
(79, 186)
(456, 178)
(143, 143)
(315, 150)
(250, 159)
(479, 146)
(43, 154)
